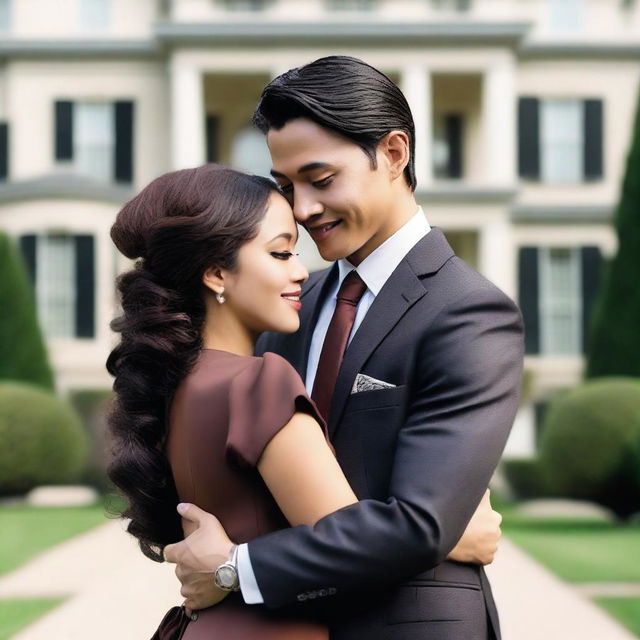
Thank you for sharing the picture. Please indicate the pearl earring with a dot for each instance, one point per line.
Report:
(220, 298)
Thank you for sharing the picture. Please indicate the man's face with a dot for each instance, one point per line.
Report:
(342, 202)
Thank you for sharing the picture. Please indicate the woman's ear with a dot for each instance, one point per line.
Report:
(213, 279)
(395, 149)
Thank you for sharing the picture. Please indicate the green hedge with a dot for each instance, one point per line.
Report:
(42, 438)
(23, 354)
(614, 339)
(590, 444)
(526, 479)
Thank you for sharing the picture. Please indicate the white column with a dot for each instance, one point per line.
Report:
(416, 86)
(187, 115)
(499, 124)
(496, 257)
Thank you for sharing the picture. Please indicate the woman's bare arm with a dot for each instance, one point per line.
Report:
(302, 472)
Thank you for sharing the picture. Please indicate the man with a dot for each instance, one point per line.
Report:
(419, 407)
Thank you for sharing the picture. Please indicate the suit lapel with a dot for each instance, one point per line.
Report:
(401, 291)
(397, 296)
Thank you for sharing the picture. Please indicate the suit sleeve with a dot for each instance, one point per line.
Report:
(465, 395)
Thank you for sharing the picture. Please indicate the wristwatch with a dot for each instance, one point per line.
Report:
(226, 575)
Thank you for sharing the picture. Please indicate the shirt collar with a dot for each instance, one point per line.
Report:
(376, 268)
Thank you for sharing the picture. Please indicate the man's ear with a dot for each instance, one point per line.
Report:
(213, 279)
(395, 148)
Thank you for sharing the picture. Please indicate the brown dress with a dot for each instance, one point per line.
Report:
(221, 418)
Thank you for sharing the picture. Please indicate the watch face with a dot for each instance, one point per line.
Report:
(226, 577)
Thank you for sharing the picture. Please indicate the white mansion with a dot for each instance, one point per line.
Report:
(523, 112)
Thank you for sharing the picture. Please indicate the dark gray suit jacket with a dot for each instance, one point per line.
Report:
(419, 456)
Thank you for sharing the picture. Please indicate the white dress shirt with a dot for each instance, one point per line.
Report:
(374, 270)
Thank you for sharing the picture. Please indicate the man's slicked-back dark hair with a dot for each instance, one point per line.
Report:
(345, 95)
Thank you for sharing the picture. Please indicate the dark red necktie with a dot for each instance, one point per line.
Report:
(335, 342)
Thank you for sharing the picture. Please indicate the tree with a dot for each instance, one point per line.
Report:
(614, 346)
(23, 354)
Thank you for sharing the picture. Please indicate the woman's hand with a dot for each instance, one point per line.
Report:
(479, 541)
(205, 547)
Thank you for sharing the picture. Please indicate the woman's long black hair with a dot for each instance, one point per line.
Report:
(176, 228)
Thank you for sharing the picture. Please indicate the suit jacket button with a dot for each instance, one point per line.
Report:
(193, 616)
(302, 597)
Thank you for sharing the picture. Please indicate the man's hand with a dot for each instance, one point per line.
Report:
(479, 541)
(205, 547)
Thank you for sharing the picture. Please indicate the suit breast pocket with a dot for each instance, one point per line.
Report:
(376, 399)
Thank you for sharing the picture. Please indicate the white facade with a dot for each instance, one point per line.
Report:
(176, 81)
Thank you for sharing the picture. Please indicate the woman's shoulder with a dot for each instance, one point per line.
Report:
(215, 369)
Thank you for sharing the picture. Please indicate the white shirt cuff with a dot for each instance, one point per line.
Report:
(248, 584)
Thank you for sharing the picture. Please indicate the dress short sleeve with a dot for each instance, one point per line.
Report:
(262, 400)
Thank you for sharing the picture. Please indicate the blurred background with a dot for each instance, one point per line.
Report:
(527, 156)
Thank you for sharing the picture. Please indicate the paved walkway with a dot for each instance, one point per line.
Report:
(115, 592)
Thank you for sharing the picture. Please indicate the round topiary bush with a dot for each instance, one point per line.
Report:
(42, 438)
(590, 444)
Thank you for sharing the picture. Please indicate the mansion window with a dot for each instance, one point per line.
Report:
(5, 15)
(448, 152)
(560, 300)
(451, 5)
(565, 15)
(557, 288)
(351, 5)
(4, 151)
(62, 269)
(560, 141)
(95, 139)
(245, 5)
(94, 14)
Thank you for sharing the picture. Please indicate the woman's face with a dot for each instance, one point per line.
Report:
(263, 292)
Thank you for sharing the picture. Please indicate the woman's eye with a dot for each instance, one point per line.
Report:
(285, 188)
(283, 255)
(325, 182)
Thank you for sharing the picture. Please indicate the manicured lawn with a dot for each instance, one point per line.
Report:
(16, 614)
(625, 610)
(26, 531)
(580, 551)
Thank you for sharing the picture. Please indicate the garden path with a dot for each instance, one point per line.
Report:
(115, 592)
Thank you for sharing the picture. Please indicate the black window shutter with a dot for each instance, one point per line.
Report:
(529, 297)
(64, 129)
(85, 287)
(529, 138)
(4, 150)
(123, 157)
(213, 123)
(591, 260)
(28, 250)
(453, 129)
(540, 411)
(593, 139)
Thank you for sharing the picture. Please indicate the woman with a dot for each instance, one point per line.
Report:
(197, 418)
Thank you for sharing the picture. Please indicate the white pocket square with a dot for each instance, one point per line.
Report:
(367, 383)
